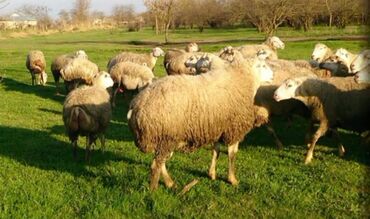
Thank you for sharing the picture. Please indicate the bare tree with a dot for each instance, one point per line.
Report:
(81, 11)
(163, 12)
(123, 13)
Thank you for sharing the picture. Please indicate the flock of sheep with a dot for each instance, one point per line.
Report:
(211, 98)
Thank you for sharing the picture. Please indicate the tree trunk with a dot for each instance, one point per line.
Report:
(156, 25)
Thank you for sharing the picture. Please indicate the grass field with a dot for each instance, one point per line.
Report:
(39, 178)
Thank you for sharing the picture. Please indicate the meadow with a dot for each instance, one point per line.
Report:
(40, 179)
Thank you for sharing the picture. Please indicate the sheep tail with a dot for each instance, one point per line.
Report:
(78, 118)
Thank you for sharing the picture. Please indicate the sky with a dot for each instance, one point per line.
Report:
(56, 5)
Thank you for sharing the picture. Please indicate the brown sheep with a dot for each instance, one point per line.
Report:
(36, 64)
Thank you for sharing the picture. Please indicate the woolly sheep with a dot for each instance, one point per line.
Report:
(334, 103)
(361, 61)
(180, 64)
(130, 76)
(270, 45)
(87, 112)
(150, 59)
(185, 112)
(78, 71)
(61, 61)
(36, 64)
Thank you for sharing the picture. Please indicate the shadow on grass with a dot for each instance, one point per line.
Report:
(46, 92)
(41, 150)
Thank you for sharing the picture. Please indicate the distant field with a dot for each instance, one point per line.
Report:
(39, 178)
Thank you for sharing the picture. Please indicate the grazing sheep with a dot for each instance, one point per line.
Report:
(361, 61)
(185, 112)
(334, 103)
(270, 46)
(150, 59)
(61, 61)
(363, 76)
(321, 52)
(36, 64)
(87, 112)
(78, 71)
(130, 76)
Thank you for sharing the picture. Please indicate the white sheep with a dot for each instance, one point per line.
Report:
(78, 71)
(61, 61)
(336, 102)
(363, 76)
(270, 46)
(150, 59)
(185, 112)
(87, 112)
(130, 76)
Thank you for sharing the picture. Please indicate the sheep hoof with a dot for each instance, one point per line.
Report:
(341, 151)
(308, 160)
(212, 175)
(171, 184)
(279, 146)
(233, 181)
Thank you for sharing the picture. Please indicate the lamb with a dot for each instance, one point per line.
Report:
(334, 103)
(36, 64)
(185, 112)
(150, 59)
(361, 61)
(78, 71)
(61, 61)
(87, 112)
(270, 45)
(130, 76)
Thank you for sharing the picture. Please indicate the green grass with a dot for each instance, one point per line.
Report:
(39, 178)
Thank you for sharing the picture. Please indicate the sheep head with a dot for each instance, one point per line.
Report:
(319, 52)
(191, 61)
(261, 68)
(275, 43)
(192, 47)
(288, 89)
(81, 54)
(361, 61)
(157, 52)
(203, 64)
(103, 79)
(363, 76)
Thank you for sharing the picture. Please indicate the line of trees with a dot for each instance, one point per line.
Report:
(265, 15)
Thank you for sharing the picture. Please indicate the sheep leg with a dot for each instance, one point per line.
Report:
(88, 148)
(114, 97)
(74, 145)
(309, 133)
(341, 149)
(271, 129)
(33, 78)
(102, 142)
(232, 150)
(311, 146)
(215, 155)
(166, 177)
(155, 174)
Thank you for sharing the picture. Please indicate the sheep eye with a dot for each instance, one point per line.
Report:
(106, 76)
(289, 85)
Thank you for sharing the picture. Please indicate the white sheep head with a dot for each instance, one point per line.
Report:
(227, 53)
(287, 90)
(43, 78)
(361, 61)
(192, 47)
(157, 52)
(81, 54)
(363, 76)
(103, 79)
(319, 52)
(260, 67)
(275, 42)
